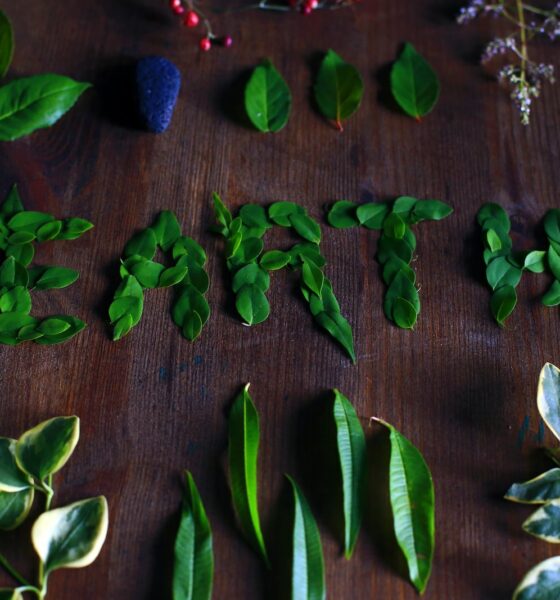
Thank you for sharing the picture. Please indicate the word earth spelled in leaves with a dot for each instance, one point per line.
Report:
(411, 493)
(35, 102)
(68, 537)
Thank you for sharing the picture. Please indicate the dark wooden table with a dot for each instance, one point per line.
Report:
(153, 404)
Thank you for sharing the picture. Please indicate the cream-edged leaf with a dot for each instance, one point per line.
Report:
(544, 523)
(541, 582)
(548, 397)
(12, 478)
(46, 448)
(8, 594)
(71, 536)
(14, 508)
(539, 490)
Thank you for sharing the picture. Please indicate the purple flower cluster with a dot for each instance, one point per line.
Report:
(477, 7)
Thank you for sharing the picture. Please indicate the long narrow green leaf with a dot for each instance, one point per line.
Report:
(6, 44)
(541, 582)
(243, 453)
(548, 397)
(413, 502)
(352, 455)
(308, 569)
(194, 559)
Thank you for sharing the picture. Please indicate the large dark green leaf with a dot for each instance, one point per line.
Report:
(36, 102)
(268, 100)
(541, 582)
(12, 478)
(339, 88)
(71, 536)
(14, 508)
(243, 453)
(541, 489)
(351, 445)
(414, 83)
(548, 397)
(194, 558)
(412, 498)
(6, 44)
(308, 570)
(544, 523)
(46, 448)
(502, 303)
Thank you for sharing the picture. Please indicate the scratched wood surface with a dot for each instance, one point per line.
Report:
(153, 404)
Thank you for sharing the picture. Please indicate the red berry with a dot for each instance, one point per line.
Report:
(174, 3)
(313, 4)
(227, 41)
(178, 10)
(306, 9)
(192, 19)
(205, 44)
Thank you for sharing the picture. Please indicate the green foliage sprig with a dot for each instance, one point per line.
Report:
(68, 537)
(250, 270)
(396, 246)
(19, 231)
(543, 580)
(31, 103)
(139, 272)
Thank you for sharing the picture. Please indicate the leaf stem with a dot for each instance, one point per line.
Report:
(6, 565)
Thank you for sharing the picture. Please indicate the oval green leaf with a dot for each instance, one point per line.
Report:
(14, 508)
(71, 537)
(339, 89)
(6, 44)
(193, 571)
(502, 303)
(268, 100)
(35, 102)
(351, 444)
(45, 449)
(414, 83)
(308, 569)
(243, 451)
(252, 305)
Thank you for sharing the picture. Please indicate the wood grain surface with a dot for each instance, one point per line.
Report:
(153, 404)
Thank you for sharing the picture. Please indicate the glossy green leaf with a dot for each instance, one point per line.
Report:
(313, 277)
(541, 582)
(430, 210)
(394, 226)
(493, 240)
(144, 243)
(535, 261)
(6, 44)
(75, 325)
(74, 228)
(339, 88)
(404, 314)
(221, 212)
(12, 204)
(12, 478)
(14, 508)
(501, 272)
(243, 451)
(414, 83)
(343, 215)
(339, 328)
(187, 246)
(268, 100)
(167, 230)
(49, 231)
(28, 220)
(48, 278)
(194, 559)
(308, 569)
(502, 303)
(45, 449)
(306, 227)
(548, 397)
(493, 213)
(17, 299)
(172, 276)
(541, 489)
(372, 215)
(280, 212)
(251, 274)
(190, 312)
(412, 497)
(352, 456)
(274, 260)
(254, 216)
(552, 296)
(11, 322)
(71, 536)
(147, 272)
(552, 225)
(127, 305)
(35, 102)
(544, 523)
(252, 305)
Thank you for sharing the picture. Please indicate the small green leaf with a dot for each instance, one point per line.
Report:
(71, 536)
(430, 210)
(193, 571)
(190, 312)
(15, 507)
(49, 231)
(189, 247)
(172, 276)
(280, 212)
(28, 220)
(252, 305)
(306, 227)
(313, 277)
(144, 243)
(394, 226)
(493, 240)
(552, 225)
(544, 523)
(404, 314)
(351, 444)
(12, 204)
(552, 297)
(75, 326)
(535, 261)
(343, 215)
(541, 582)
(372, 215)
(12, 478)
(243, 451)
(18, 299)
(53, 326)
(6, 44)
(268, 100)
(339, 328)
(45, 449)
(491, 213)
(502, 303)
(414, 83)
(48, 278)
(74, 228)
(539, 490)
(548, 397)
(254, 216)
(35, 102)
(167, 230)
(223, 216)
(11, 322)
(412, 497)
(22, 254)
(339, 88)
(308, 569)
(274, 260)
(21, 237)
(501, 272)
(147, 272)
(251, 274)
(553, 262)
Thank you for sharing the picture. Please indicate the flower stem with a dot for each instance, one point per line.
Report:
(523, 39)
(5, 564)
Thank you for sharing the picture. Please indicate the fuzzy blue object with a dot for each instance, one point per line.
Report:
(157, 81)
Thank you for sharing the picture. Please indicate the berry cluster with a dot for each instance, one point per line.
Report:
(192, 16)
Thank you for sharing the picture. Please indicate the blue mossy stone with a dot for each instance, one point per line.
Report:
(157, 81)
